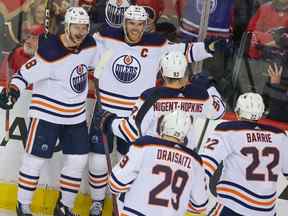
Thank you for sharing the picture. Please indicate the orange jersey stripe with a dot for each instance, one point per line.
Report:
(125, 128)
(207, 164)
(35, 101)
(246, 198)
(31, 135)
(113, 185)
(113, 100)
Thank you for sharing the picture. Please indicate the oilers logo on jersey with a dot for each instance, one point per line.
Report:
(126, 68)
(78, 78)
(200, 6)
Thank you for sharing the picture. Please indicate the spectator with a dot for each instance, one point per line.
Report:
(263, 26)
(276, 92)
(268, 28)
(219, 24)
(58, 10)
(154, 10)
(219, 27)
(36, 16)
(22, 54)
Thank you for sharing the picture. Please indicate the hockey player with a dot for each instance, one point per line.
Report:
(253, 155)
(176, 93)
(175, 177)
(131, 69)
(59, 75)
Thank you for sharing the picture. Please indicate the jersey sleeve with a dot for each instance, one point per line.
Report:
(126, 128)
(215, 107)
(214, 151)
(198, 196)
(126, 170)
(194, 51)
(34, 70)
(101, 57)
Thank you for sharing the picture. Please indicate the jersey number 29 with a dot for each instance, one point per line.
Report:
(176, 181)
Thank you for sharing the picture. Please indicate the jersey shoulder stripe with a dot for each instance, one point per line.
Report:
(189, 92)
(245, 125)
(56, 49)
(195, 91)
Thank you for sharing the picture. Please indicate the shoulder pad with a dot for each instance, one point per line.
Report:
(89, 41)
(55, 50)
(245, 125)
(113, 33)
(147, 93)
(144, 140)
(196, 92)
(152, 39)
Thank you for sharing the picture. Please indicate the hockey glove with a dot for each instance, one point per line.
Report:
(102, 120)
(220, 45)
(9, 97)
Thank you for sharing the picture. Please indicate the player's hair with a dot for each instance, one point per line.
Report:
(176, 124)
(250, 106)
(114, 12)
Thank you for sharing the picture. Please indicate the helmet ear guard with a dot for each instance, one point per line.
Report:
(250, 106)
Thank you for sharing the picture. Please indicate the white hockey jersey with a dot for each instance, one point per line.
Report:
(59, 78)
(159, 177)
(134, 67)
(253, 155)
(195, 100)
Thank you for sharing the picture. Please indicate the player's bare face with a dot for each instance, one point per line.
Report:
(134, 29)
(78, 32)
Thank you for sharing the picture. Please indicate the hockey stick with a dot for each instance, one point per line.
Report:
(47, 17)
(203, 30)
(199, 65)
(7, 112)
(98, 106)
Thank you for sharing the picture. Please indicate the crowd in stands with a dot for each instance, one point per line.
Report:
(263, 64)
